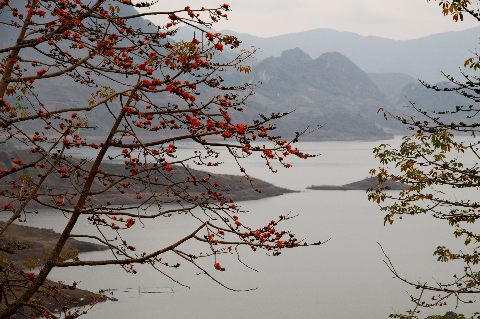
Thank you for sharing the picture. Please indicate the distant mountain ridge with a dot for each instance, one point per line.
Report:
(423, 58)
(394, 67)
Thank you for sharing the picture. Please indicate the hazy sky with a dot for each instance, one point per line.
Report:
(394, 19)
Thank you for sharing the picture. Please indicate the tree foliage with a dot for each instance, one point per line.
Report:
(149, 93)
(456, 8)
(439, 162)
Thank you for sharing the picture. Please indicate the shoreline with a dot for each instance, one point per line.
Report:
(364, 184)
(36, 242)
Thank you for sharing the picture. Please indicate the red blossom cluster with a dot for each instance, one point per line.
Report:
(130, 222)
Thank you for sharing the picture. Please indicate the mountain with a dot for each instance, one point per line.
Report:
(394, 66)
(444, 103)
(332, 73)
(401, 90)
(423, 58)
(329, 90)
(391, 84)
(430, 99)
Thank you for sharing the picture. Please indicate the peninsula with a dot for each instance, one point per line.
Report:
(239, 188)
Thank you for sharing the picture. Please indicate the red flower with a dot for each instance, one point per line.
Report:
(217, 266)
(209, 36)
(219, 47)
(130, 222)
(41, 72)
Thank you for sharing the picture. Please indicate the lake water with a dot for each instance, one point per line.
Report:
(344, 278)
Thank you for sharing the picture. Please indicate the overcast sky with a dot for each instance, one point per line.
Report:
(394, 19)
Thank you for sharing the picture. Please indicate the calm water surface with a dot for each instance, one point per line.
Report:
(345, 278)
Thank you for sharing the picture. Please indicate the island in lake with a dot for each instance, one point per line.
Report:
(362, 185)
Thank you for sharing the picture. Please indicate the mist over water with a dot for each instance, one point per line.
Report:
(344, 278)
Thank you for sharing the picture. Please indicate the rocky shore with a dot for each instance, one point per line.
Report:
(37, 242)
